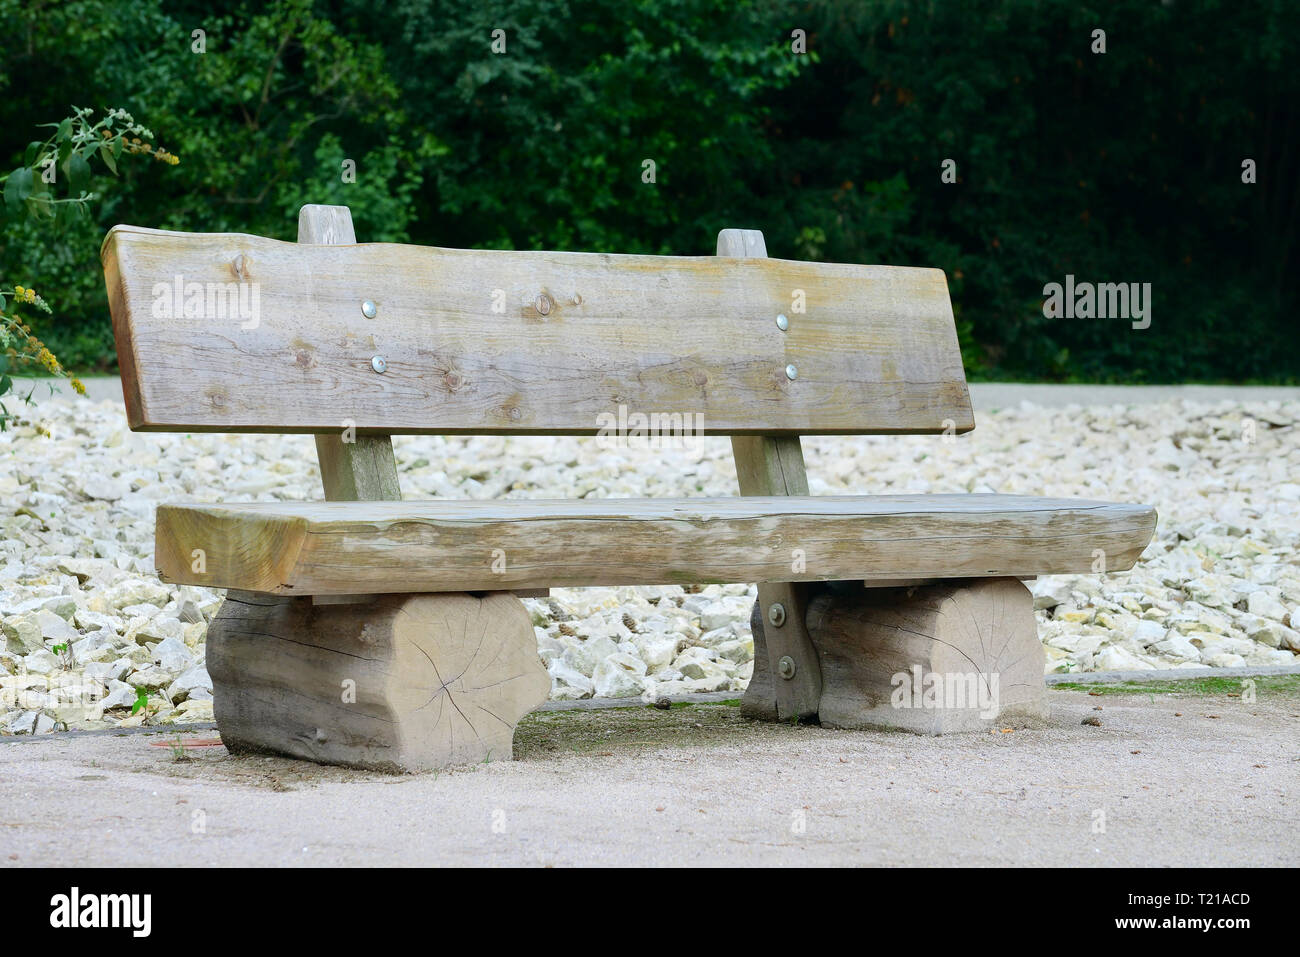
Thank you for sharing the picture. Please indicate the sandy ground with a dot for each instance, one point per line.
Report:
(1174, 779)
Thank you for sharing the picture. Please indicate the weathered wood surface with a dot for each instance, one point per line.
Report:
(407, 683)
(352, 467)
(958, 656)
(773, 465)
(576, 336)
(453, 545)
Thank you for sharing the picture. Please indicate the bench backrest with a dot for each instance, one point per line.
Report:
(237, 333)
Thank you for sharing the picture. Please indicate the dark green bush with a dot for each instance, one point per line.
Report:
(1122, 166)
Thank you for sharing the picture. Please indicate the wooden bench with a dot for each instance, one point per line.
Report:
(370, 631)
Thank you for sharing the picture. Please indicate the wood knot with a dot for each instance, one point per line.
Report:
(543, 304)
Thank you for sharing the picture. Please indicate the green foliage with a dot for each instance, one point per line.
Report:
(1115, 167)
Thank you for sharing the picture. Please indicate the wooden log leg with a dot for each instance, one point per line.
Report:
(759, 699)
(391, 682)
(953, 656)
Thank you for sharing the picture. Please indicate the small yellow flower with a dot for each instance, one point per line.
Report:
(18, 291)
(77, 386)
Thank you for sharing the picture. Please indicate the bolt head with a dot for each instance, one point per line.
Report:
(782, 322)
(368, 309)
(791, 372)
(378, 363)
(776, 614)
(785, 667)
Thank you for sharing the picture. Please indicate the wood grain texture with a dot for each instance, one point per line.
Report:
(401, 683)
(773, 465)
(451, 545)
(579, 335)
(352, 467)
(972, 645)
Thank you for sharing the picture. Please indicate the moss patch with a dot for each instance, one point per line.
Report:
(1210, 687)
(628, 729)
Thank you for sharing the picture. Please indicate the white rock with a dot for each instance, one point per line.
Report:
(148, 630)
(189, 613)
(22, 634)
(1049, 592)
(1265, 605)
(1177, 646)
(105, 670)
(41, 662)
(583, 656)
(619, 676)
(656, 650)
(567, 683)
(192, 710)
(55, 628)
(189, 684)
(88, 620)
(22, 722)
(1146, 633)
(136, 592)
(719, 636)
(740, 650)
(120, 695)
(172, 656)
(1291, 639)
(96, 646)
(731, 609)
(1115, 658)
(698, 663)
(150, 678)
(1225, 660)
(105, 489)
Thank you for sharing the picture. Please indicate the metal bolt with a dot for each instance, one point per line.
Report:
(368, 309)
(378, 364)
(776, 614)
(543, 304)
(791, 372)
(782, 322)
(785, 667)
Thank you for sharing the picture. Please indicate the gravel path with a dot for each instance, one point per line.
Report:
(87, 631)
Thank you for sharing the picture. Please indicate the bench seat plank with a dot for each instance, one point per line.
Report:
(332, 548)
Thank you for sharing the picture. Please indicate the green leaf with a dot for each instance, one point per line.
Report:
(17, 188)
(109, 158)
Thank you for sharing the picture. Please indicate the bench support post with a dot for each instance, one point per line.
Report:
(786, 682)
(956, 655)
(393, 682)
